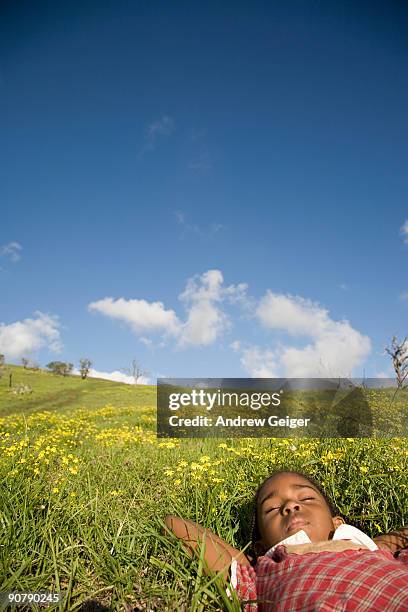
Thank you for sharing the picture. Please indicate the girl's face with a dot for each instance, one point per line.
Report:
(288, 503)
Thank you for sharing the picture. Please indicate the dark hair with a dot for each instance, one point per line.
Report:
(255, 533)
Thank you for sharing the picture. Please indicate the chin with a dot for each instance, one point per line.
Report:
(298, 528)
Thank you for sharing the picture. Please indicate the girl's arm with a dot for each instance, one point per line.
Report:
(393, 541)
(218, 555)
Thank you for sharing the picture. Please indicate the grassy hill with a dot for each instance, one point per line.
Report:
(85, 485)
(53, 392)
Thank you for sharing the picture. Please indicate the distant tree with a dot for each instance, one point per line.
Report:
(398, 351)
(135, 371)
(2, 360)
(25, 362)
(84, 367)
(60, 367)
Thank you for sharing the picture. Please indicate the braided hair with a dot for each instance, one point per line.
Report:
(254, 526)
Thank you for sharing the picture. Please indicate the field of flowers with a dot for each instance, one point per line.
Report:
(84, 491)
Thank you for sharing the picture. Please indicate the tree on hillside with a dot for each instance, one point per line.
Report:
(84, 367)
(135, 371)
(2, 362)
(398, 351)
(29, 364)
(60, 367)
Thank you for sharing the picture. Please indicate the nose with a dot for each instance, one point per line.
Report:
(291, 506)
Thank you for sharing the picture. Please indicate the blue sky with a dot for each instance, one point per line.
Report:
(215, 189)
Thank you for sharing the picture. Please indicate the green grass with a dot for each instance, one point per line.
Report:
(51, 392)
(85, 486)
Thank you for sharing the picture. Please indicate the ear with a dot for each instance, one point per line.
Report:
(337, 521)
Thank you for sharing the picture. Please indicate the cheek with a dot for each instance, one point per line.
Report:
(271, 531)
(324, 524)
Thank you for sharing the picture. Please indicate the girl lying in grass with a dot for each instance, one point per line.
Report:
(305, 556)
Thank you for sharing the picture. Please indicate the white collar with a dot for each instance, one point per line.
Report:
(343, 532)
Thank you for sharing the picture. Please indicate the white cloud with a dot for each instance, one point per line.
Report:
(150, 344)
(160, 128)
(116, 376)
(189, 228)
(206, 320)
(259, 363)
(404, 296)
(237, 294)
(179, 216)
(12, 250)
(331, 348)
(296, 315)
(404, 231)
(336, 353)
(22, 338)
(336, 347)
(203, 300)
(140, 315)
(215, 228)
(205, 287)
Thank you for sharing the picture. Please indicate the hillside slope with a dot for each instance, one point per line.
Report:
(53, 392)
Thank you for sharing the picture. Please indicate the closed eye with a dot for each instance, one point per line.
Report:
(307, 498)
(272, 509)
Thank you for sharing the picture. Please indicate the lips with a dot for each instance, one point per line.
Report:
(296, 524)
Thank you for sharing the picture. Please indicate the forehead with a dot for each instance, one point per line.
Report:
(280, 483)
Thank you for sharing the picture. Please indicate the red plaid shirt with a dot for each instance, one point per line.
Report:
(355, 580)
